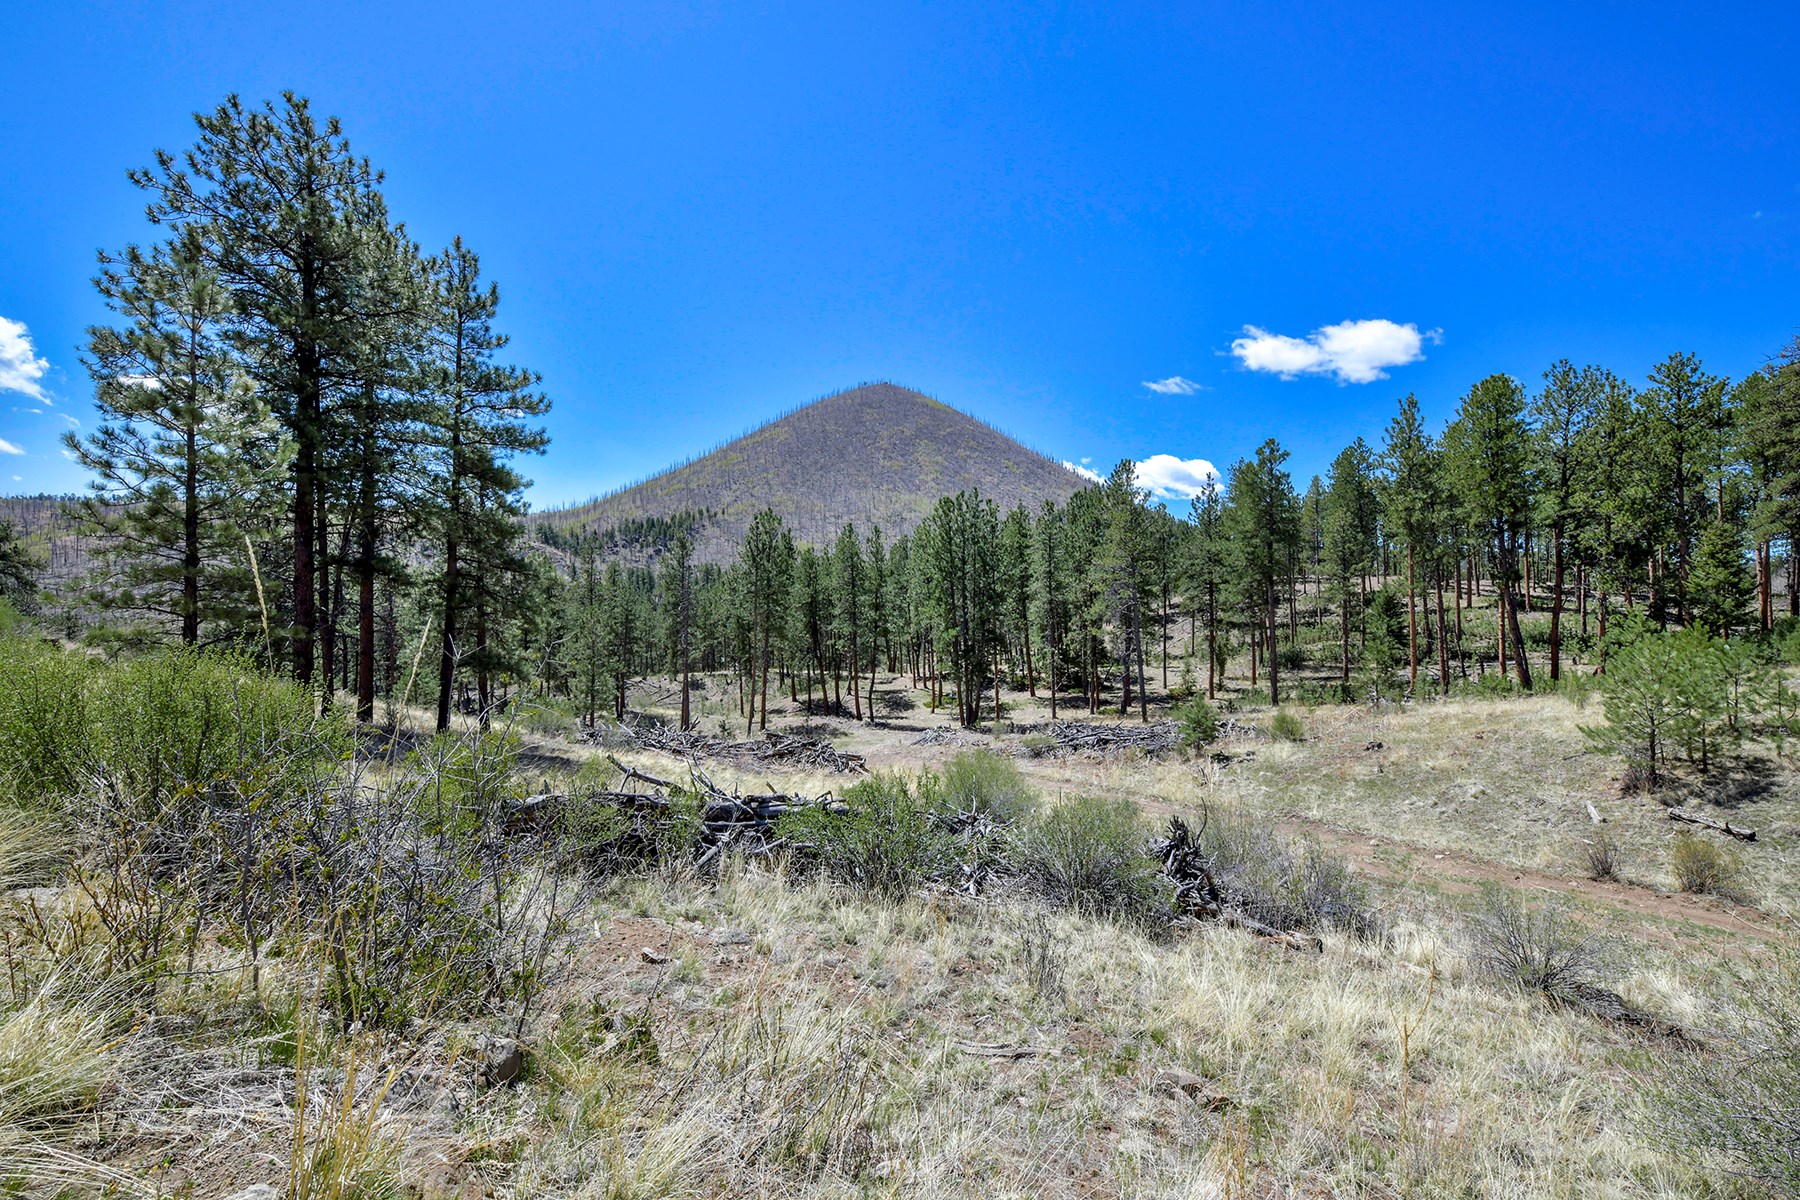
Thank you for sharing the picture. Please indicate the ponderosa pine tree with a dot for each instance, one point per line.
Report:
(1560, 416)
(957, 549)
(1407, 508)
(768, 568)
(1349, 538)
(1120, 580)
(1049, 604)
(1768, 407)
(1205, 569)
(1262, 521)
(275, 197)
(678, 599)
(1015, 590)
(1615, 494)
(184, 451)
(1720, 586)
(1684, 418)
(1488, 452)
(372, 463)
(587, 643)
(851, 609)
(481, 414)
(18, 569)
(876, 560)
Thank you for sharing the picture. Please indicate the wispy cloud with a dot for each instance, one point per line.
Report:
(20, 366)
(1174, 385)
(1086, 472)
(7, 447)
(1350, 351)
(1171, 478)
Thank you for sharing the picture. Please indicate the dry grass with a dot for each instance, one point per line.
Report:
(862, 1081)
(785, 1037)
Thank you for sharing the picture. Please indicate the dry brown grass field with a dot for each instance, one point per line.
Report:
(770, 1033)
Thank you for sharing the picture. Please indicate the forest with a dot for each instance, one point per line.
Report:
(309, 454)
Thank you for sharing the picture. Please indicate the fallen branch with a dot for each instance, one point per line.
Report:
(1726, 827)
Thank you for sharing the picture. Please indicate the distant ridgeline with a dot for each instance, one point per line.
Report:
(878, 454)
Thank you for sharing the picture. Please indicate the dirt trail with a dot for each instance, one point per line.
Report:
(1654, 913)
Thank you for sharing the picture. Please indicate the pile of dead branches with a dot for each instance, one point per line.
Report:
(944, 735)
(781, 749)
(1200, 895)
(661, 812)
(1076, 737)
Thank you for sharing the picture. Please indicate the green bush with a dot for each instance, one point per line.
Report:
(1199, 723)
(153, 728)
(43, 722)
(1740, 1098)
(980, 781)
(884, 840)
(1700, 866)
(1089, 854)
(181, 720)
(1285, 726)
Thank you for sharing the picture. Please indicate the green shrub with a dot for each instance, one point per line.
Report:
(1089, 854)
(1285, 726)
(980, 781)
(1199, 723)
(1700, 866)
(153, 728)
(1740, 1098)
(43, 722)
(181, 720)
(884, 841)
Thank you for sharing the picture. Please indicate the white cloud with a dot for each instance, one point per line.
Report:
(20, 367)
(1171, 478)
(7, 447)
(1174, 385)
(1163, 475)
(1352, 351)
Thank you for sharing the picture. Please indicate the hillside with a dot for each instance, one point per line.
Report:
(43, 522)
(879, 454)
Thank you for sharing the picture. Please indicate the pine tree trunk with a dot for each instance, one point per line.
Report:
(447, 637)
(1274, 617)
(1137, 635)
(1344, 633)
(1442, 641)
(1412, 628)
(325, 625)
(1556, 604)
(190, 537)
(1512, 619)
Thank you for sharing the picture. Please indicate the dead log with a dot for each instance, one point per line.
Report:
(1726, 827)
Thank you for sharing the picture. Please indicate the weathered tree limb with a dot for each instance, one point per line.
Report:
(1736, 831)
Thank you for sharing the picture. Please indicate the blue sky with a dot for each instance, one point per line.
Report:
(701, 215)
